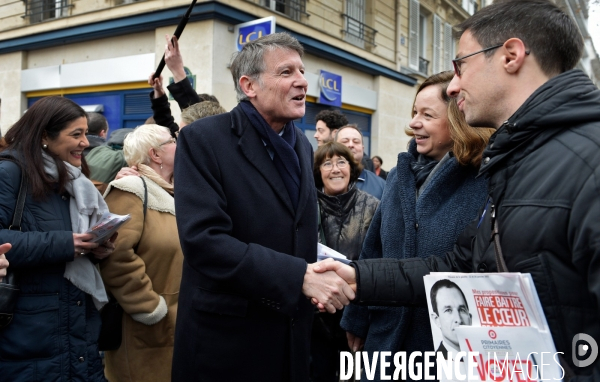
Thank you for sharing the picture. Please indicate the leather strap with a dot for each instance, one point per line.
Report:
(500, 264)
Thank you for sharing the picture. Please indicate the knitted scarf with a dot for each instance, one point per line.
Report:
(86, 207)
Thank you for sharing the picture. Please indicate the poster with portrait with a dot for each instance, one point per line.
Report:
(497, 315)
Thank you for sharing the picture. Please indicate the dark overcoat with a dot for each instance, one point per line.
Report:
(242, 314)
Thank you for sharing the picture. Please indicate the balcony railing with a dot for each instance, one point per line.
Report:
(358, 32)
(423, 65)
(294, 9)
(41, 10)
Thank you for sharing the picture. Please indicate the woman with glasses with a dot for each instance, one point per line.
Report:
(144, 272)
(345, 213)
(429, 198)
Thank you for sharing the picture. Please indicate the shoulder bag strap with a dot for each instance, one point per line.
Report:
(500, 264)
(145, 197)
(145, 209)
(20, 205)
(18, 215)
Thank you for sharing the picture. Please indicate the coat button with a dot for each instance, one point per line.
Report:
(81, 359)
(78, 303)
(416, 225)
(482, 267)
(64, 197)
(486, 160)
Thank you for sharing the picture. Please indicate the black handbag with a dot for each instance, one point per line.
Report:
(9, 289)
(111, 333)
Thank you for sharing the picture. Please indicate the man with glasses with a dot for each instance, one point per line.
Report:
(515, 73)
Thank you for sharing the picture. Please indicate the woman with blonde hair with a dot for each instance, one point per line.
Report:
(429, 198)
(144, 272)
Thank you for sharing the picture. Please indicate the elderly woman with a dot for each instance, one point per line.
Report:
(54, 331)
(345, 214)
(144, 273)
(429, 198)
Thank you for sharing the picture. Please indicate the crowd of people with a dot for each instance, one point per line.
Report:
(216, 272)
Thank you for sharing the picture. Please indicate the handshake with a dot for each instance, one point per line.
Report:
(329, 284)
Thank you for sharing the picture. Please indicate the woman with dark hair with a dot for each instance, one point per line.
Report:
(54, 332)
(377, 162)
(429, 198)
(345, 213)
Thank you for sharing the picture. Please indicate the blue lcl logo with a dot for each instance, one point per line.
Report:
(330, 85)
(252, 30)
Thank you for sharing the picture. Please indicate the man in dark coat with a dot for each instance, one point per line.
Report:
(543, 166)
(247, 219)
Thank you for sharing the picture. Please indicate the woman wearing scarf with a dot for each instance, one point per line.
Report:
(54, 331)
(144, 273)
(429, 198)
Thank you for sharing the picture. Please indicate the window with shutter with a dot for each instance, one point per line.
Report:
(413, 39)
(437, 44)
(448, 47)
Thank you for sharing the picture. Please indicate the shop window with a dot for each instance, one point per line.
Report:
(42, 10)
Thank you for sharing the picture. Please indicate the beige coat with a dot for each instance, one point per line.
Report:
(145, 282)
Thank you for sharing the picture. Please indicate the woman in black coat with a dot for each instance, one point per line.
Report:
(54, 332)
(345, 214)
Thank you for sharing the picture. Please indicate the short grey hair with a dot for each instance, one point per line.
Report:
(250, 60)
(137, 143)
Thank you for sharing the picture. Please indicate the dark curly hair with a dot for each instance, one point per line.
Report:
(329, 150)
(332, 118)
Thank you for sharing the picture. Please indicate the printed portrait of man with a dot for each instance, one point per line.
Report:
(450, 310)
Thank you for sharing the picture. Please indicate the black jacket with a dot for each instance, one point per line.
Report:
(543, 166)
(345, 220)
(185, 96)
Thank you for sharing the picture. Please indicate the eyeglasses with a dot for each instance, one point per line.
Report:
(328, 166)
(457, 61)
(172, 140)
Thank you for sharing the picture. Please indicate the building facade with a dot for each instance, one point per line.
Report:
(100, 53)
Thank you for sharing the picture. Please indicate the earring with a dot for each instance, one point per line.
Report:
(161, 166)
(44, 146)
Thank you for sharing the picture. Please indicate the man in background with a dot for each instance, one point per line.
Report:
(97, 131)
(328, 123)
(351, 137)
